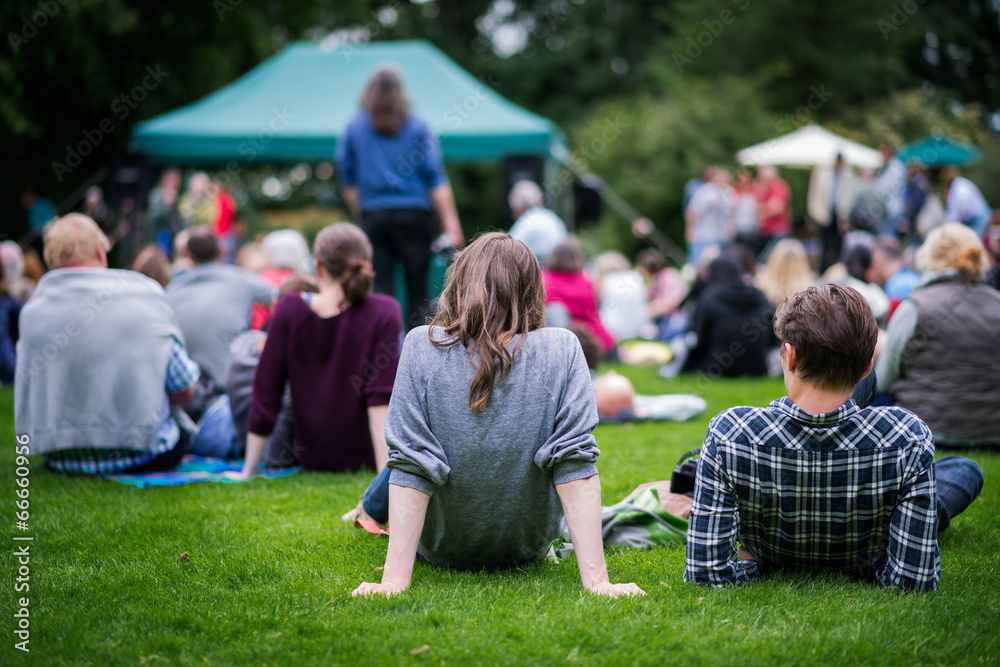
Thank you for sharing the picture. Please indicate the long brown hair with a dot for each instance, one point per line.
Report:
(345, 253)
(494, 293)
(384, 100)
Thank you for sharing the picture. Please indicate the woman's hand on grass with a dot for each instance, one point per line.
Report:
(378, 589)
(616, 590)
(255, 451)
(581, 501)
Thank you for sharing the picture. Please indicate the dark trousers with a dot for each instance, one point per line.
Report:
(404, 235)
(831, 241)
(168, 460)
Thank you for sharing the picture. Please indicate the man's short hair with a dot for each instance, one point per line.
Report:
(833, 331)
(203, 246)
(74, 238)
(524, 195)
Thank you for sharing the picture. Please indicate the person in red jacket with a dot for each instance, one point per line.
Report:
(568, 286)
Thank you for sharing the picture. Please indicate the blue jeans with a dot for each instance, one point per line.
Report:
(376, 499)
(959, 481)
(217, 433)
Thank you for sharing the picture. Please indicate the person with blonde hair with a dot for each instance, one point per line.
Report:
(337, 349)
(470, 487)
(940, 358)
(786, 272)
(392, 178)
(101, 360)
(621, 295)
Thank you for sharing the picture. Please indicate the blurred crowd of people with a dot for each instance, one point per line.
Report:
(903, 201)
(882, 234)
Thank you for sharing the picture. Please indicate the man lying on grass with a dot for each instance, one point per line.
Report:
(813, 482)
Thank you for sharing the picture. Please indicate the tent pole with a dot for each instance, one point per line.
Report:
(654, 236)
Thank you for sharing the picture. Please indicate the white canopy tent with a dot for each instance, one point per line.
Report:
(810, 146)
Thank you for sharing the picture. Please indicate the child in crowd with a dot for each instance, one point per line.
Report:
(244, 355)
(622, 296)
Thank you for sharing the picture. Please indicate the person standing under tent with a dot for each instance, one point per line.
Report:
(390, 169)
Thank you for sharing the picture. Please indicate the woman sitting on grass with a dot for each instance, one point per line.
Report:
(489, 430)
(338, 350)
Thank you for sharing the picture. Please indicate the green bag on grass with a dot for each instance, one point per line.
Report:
(640, 523)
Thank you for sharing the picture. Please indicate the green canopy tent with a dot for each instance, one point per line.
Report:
(292, 108)
(938, 150)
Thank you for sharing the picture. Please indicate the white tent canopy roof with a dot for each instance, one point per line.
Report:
(810, 146)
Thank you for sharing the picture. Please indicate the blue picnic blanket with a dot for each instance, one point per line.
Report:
(195, 469)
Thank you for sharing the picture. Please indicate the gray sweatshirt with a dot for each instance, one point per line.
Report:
(491, 475)
(213, 302)
(93, 353)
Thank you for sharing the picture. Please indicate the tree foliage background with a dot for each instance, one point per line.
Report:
(689, 81)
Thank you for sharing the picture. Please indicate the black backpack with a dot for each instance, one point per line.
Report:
(682, 481)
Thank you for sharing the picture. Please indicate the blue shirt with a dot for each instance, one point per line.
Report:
(850, 491)
(901, 285)
(390, 171)
(40, 213)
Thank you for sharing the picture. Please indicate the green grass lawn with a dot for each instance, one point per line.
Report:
(270, 571)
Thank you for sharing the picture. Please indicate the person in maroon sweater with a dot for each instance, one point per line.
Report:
(338, 350)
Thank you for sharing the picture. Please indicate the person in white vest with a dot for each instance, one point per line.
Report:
(536, 226)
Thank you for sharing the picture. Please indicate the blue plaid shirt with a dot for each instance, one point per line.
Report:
(849, 491)
(182, 372)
